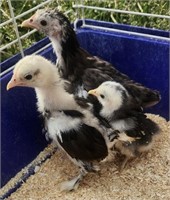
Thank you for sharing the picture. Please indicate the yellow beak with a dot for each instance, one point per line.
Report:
(30, 23)
(13, 83)
(93, 92)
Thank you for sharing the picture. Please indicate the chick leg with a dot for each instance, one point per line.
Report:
(133, 157)
(84, 169)
(123, 164)
(74, 183)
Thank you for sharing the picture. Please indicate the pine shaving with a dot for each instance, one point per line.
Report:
(147, 177)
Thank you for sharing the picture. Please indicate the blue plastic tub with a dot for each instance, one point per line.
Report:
(144, 59)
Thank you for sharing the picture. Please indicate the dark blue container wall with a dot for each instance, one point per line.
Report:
(21, 125)
(21, 130)
(144, 60)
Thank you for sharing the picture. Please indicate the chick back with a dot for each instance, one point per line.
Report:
(143, 135)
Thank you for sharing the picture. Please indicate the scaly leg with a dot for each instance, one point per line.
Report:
(74, 183)
(124, 163)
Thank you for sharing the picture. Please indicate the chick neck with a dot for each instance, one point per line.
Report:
(54, 97)
(66, 46)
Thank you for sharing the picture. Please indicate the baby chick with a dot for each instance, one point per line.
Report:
(70, 123)
(75, 64)
(136, 132)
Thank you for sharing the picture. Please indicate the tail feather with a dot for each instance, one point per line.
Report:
(145, 97)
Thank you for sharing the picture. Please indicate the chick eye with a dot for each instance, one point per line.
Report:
(43, 23)
(28, 76)
(102, 96)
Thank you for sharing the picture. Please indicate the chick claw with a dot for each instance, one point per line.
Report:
(123, 165)
(70, 185)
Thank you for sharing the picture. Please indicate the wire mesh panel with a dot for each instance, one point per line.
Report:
(14, 38)
(82, 7)
(13, 19)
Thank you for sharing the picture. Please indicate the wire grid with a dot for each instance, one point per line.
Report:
(80, 12)
(85, 25)
(13, 20)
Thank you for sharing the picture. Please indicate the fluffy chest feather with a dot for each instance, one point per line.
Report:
(123, 125)
(57, 46)
(81, 92)
(59, 123)
(54, 98)
(77, 139)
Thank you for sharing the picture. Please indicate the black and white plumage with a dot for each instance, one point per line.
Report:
(73, 127)
(136, 132)
(83, 70)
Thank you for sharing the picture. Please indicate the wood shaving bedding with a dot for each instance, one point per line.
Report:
(146, 177)
(49, 150)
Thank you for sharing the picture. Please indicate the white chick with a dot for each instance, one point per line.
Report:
(69, 123)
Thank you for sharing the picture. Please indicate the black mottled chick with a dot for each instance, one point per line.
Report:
(136, 132)
(83, 70)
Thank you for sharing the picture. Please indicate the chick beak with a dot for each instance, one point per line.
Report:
(93, 92)
(13, 83)
(30, 23)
